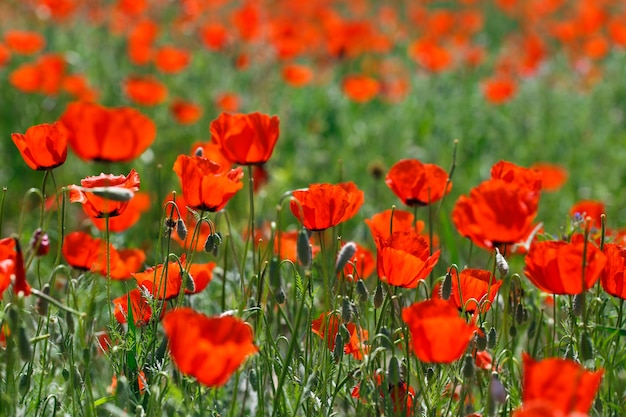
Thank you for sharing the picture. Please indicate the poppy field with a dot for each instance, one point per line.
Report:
(320, 208)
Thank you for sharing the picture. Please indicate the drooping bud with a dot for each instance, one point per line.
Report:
(279, 295)
(345, 333)
(491, 338)
(42, 304)
(586, 347)
(274, 271)
(69, 322)
(181, 229)
(188, 282)
(346, 310)
(338, 350)
(213, 241)
(446, 286)
(361, 290)
(468, 366)
(430, 374)
(578, 304)
(519, 314)
(512, 331)
(501, 264)
(394, 371)
(303, 247)
(40, 243)
(481, 339)
(378, 295)
(345, 254)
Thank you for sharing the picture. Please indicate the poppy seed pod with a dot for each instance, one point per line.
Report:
(468, 366)
(361, 290)
(378, 295)
(345, 254)
(394, 370)
(338, 350)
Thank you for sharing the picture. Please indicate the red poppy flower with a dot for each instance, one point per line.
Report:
(612, 278)
(185, 112)
(382, 224)
(556, 267)
(43, 146)
(97, 206)
(401, 397)
(166, 283)
(43, 76)
(523, 178)
(552, 176)
(362, 264)
(438, 334)
(208, 348)
(589, 208)
(356, 346)
(145, 91)
(206, 186)
(326, 205)
(137, 205)
(416, 183)
(562, 383)
(541, 408)
(171, 60)
(246, 139)
(98, 133)
(477, 288)
(404, 259)
(77, 86)
(297, 75)
(5, 55)
(228, 102)
(211, 151)
(142, 313)
(12, 267)
(499, 89)
(140, 42)
(82, 251)
(360, 88)
(496, 212)
(430, 55)
(214, 36)
(285, 244)
(24, 42)
(26, 78)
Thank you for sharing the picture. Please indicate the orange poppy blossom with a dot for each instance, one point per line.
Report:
(430, 54)
(560, 384)
(553, 176)
(525, 178)
(246, 139)
(43, 146)
(78, 87)
(356, 346)
(142, 313)
(82, 251)
(137, 205)
(12, 267)
(495, 213)
(44, 76)
(24, 42)
(228, 102)
(499, 89)
(416, 183)
(383, 224)
(212, 151)
(404, 259)
(612, 278)
(438, 334)
(322, 206)
(360, 88)
(478, 288)
(97, 133)
(145, 91)
(589, 208)
(166, 283)
(214, 36)
(172, 60)
(206, 185)
(185, 112)
(297, 75)
(91, 189)
(556, 267)
(208, 348)
(140, 40)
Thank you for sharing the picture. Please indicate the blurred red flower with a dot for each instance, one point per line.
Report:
(361, 265)
(297, 75)
(246, 139)
(322, 206)
(185, 112)
(499, 89)
(142, 313)
(556, 267)
(44, 76)
(553, 176)
(477, 288)
(382, 224)
(326, 326)
(404, 259)
(206, 186)
(97, 133)
(12, 267)
(416, 183)
(172, 60)
(612, 279)
(208, 348)
(91, 189)
(145, 91)
(24, 42)
(438, 334)
(43, 146)
(589, 208)
(360, 88)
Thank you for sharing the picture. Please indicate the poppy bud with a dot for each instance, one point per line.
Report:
(69, 321)
(497, 393)
(378, 295)
(40, 243)
(24, 384)
(578, 304)
(361, 290)
(512, 331)
(481, 340)
(338, 350)
(199, 152)
(491, 338)
(23, 344)
(446, 286)
(42, 304)
(181, 229)
(279, 295)
(586, 347)
(519, 314)
(394, 371)
(346, 310)
(345, 254)
(211, 243)
(303, 248)
(188, 282)
(430, 374)
(501, 264)
(274, 267)
(468, 366)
